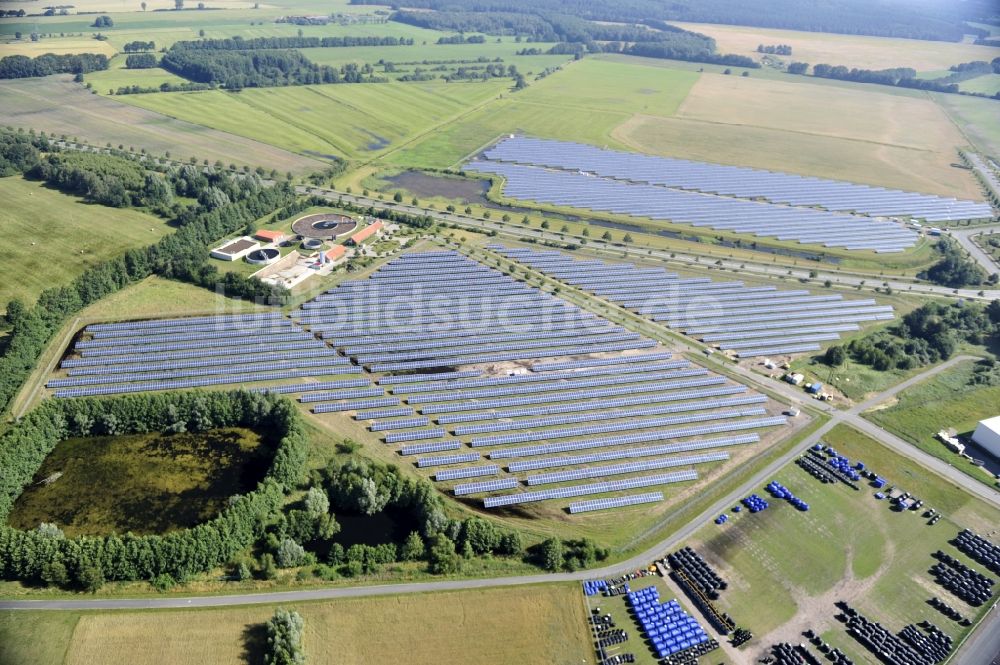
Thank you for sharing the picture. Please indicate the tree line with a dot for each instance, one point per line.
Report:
(774, 49)
(46, 555)
(927, 335)
(234, 70)
(139, 47)
(21, 66)
(903, 77)
(854, 17)
(459, 39)
(141, 61)
(238, 43)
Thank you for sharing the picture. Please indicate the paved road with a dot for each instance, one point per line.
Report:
(964, 238)
(839, 277)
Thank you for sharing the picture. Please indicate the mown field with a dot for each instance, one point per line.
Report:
(796, 125)
(848, 50)
(530, 625)
(52, 237)
(145, 483)
(787, 568)
(356, 121)
(27, 103)
(943, 402)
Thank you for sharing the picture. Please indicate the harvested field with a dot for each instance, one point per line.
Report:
(851, 134)
(531, 625)
(27, 103)
(57, 45)
(848, 50)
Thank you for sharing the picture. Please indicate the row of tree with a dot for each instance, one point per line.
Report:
(774, 49)
(928, 334)
(46, 555)
(861, 17)
(21, 66)
(141, 61)
(238, 43)
(460, 39)
(254, 69)
(139, 47)
(903, 77)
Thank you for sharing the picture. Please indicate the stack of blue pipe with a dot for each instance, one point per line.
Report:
(779, 491)
(668, 627)
(843, 465)
(594, 587)
(754, 503)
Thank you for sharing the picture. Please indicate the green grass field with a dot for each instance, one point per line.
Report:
(786, 568)
(145, 483)
(53, 237)
(941, 403)
(354, 121)
(533, 625)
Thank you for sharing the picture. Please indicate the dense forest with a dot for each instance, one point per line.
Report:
(926, 335)
(21, 66)
(46, 555)
(921, 19)
(257, 69)
(141, 61)
(955, 269)
(238, 43)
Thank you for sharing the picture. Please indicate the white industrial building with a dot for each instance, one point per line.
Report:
(987, 435)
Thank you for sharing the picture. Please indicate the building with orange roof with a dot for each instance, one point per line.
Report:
(375, 228)
(335, 253)
(270, 236)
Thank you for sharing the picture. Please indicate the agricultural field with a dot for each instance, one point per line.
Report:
(946, 401)
(976, 117)
(58, 45)
(35, 638)
(148, 483)
(812, 129)
(54, 237)
(584, 102)
(353, 121)
(99, 120)
(881, 570)
(848, 50)
(533, 625)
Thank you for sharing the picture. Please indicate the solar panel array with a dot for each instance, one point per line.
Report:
(467, 351)
(749, 321)
(202, 351)
(616, 502)
(735, 181)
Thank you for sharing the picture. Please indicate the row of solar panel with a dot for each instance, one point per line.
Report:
(517, 379)
(209, 352)
(467, 472)
(635, 437)
(616, 502)
(631, 453)
(592, 488)
(278, 332)
(252, 326)
(605, 428)
(181, 322)
(211, 361)
(621, 469)
(443, 460)
(587, 405)
(439, 376)
(202, 344)
(501, 357)
(323, 366)
(599, 362)
(356, 405)
(573, 396)
(552, 421)
(149, 386)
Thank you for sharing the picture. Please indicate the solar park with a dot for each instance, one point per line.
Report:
(741, 200)
(487, 380)
(746, 321)
(505, 394)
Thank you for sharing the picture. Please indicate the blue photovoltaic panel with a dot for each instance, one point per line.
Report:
(627, 467)
(391, 412)
(592, 488)
(485, 486)
(631, 453)
(405, 423)
(356, 405)
(421, 448)
(467, 472)
(597, 362)
(414, 435)
(414, 378)
(616, 502)
(342, 394)
(442, 460)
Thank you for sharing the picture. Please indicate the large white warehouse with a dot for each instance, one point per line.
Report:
(987, 435)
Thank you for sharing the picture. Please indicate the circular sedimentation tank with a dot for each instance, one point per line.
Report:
(324, 226)
(263, 257)
(312, 243)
